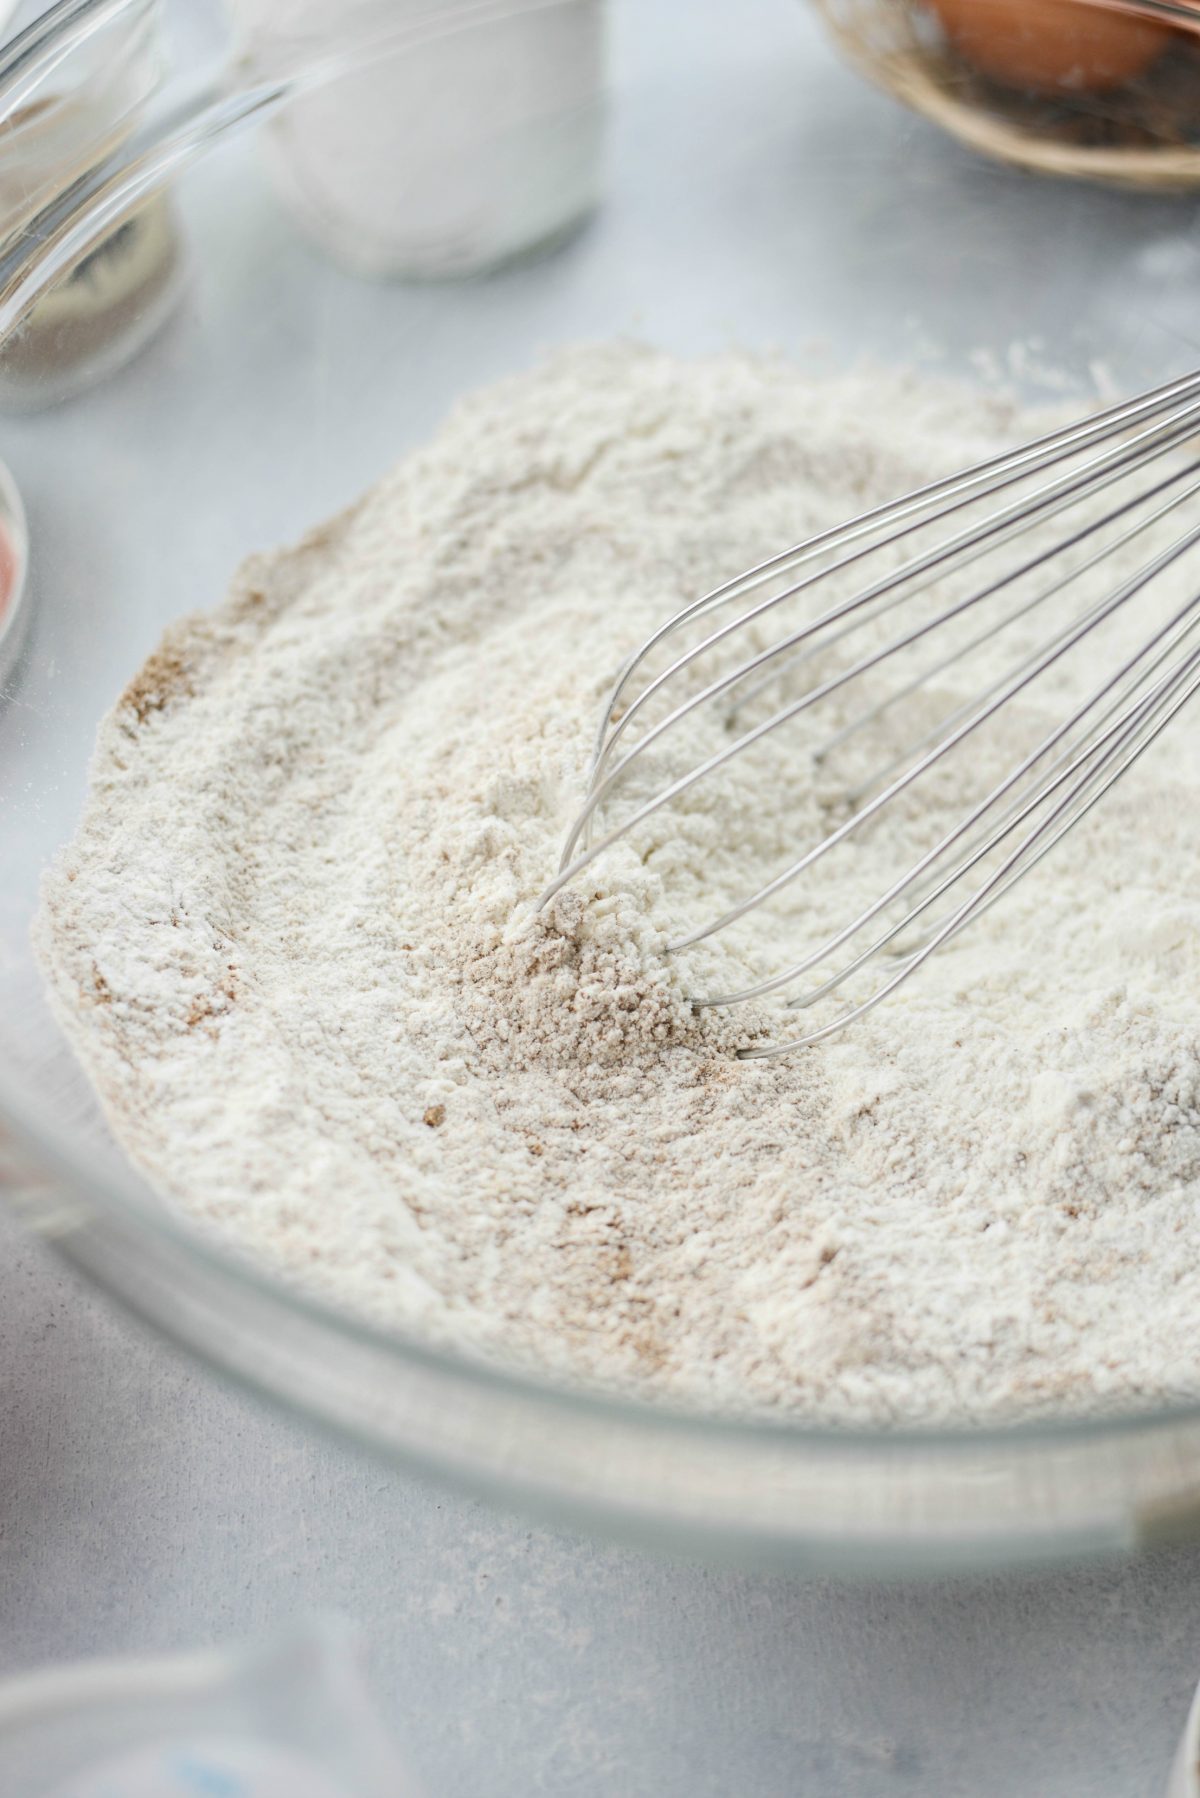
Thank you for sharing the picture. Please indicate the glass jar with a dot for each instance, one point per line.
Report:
(75, 116)
(441, 159)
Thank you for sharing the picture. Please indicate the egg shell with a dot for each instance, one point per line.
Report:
(1048, 46)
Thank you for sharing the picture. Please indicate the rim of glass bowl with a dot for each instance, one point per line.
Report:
(96, 1203)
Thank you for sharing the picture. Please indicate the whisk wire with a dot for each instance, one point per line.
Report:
(1120, 460)
(934, 731)
(1015, 868)
(1002, 827)
(1135, 453)
(1010, 819)
(998, 472)
(979, 715)
(1053, 445)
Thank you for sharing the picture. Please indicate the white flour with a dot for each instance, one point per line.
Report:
(281, 944)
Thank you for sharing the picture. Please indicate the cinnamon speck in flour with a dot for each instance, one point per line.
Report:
(292, 945)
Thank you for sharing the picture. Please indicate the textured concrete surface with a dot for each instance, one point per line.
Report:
(143, 1507)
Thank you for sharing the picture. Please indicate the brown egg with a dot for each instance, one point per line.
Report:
(1045, 46)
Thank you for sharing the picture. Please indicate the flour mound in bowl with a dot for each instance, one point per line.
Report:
(291, 944)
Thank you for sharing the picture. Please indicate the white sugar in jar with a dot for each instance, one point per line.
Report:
(442, 159)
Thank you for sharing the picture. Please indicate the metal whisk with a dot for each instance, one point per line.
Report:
(870, 619)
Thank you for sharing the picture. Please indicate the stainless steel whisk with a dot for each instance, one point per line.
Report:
(1107, 483)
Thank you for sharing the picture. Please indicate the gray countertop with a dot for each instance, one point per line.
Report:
(143, 1507)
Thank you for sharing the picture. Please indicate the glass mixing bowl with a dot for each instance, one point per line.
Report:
(755, 193)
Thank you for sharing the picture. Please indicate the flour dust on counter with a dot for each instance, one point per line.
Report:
(293, 944)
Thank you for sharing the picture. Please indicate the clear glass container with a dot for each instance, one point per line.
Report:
(759, 194)
(291, 1719)
(1077, 88)
(447, 159)
(117, 295)
(14, 577)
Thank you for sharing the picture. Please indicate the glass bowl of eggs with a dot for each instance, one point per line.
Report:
(1102, 90)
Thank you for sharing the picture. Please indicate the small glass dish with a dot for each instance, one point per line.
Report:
(14, 579)
(290, 1719)
(1142, 133)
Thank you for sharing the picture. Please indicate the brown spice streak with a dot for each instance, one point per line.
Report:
(162, 677)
